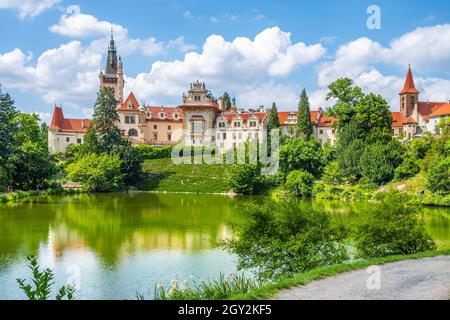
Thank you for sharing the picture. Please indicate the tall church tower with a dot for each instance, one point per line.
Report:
(409, 97)
(112, 76)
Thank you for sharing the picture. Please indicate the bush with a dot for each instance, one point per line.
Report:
(283, 238)
(332, 174)
(97, 172)
(408, 169)
(300, 183)
(391, 228)
(244, 178)
(152, 153)
(298, 154)
(438, 176)
(379, 161)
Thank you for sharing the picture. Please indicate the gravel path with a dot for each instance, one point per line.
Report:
(424, 279)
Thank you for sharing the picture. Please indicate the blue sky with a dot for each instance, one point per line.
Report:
(51, 50)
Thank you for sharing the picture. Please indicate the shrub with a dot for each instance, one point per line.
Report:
(42, 284)
(97, 172)
(391, 228)
(283, 238)
(438, 176)
(300, 183)
(332, 174)
(408, 169)
(298, 154)
(244, 178)
(151, 153)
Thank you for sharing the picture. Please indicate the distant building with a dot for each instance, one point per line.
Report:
(63, 132)
(202, 120)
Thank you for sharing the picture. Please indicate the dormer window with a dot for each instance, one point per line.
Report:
(197, 98)
(130, 105)
(161, 115)
(175, 115)
(252, 124)
(149, 114)
(221, 124)
(237, 124)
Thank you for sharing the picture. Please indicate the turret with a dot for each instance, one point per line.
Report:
(409, 96)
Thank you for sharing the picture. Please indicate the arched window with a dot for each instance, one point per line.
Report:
(132, 133)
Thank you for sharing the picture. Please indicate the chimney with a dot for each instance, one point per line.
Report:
(220, 103)
(261, 108)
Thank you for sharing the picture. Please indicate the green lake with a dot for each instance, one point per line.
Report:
(115, 245)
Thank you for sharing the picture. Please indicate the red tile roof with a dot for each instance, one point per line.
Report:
(245, 116)
(409, 86)
(427, 108)
(399, 120)
(326, 121)
(441, 110)
(130, 104)
(68, 125)
(169, 113)
(284, 115)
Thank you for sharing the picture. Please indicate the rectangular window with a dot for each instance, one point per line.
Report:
(234, 136)
(169, 137)
(196, 98)
(218, 136)
(169, 128)
(132, 120)
(79, 141)
(155, 136)
(127, 119)
(252, 124)
(197, 127)
(321, 131)
(221, 124)
(240, 136)
(237, 124)
(155, 127)
(224, 136)
(67, 139)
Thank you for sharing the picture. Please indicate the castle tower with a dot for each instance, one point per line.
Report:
(112, 76)
(409, 96)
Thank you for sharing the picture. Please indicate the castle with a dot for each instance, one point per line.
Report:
(201, 119)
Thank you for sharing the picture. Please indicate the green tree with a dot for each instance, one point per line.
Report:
(101, 173)
(226, 101)
(391, 227)
(438, 176)
(304, 124)
(332, 174)
(274, 121)
(300, 183)
(299, 154)
(408, 169)
(379, 161)
(244, 178)
(7, 128)
(281, 239)
(104, 123)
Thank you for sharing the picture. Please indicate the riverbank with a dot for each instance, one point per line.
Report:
(270, 290)
(22, 195)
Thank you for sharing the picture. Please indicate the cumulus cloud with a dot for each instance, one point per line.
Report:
(240, 65)
(28, 8)
(76, 24)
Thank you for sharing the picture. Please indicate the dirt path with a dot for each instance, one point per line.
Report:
(425, 279)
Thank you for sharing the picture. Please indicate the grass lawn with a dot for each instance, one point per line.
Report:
(267, 291)
(163, 175)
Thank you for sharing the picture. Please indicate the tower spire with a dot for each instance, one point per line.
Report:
(409, 86)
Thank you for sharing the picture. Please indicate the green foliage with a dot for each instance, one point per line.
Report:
(304, 125)
(151, 153)
(438, 176)
(285, 238)
(349, 151)
(226, 101)
(274, 121)
(244, 178)
(131, 164)
(220, 289)
(299, 154)
(379, 161)
(390, 228)
(300, 183)
(408, 169)
(332, 174)
(8, 126)
(107, 134)
(95, 172)
(42, 284)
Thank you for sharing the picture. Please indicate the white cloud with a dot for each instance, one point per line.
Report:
(14, 72)
(28, 8)
(188, 15)
(76, 24)
(241, 66)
